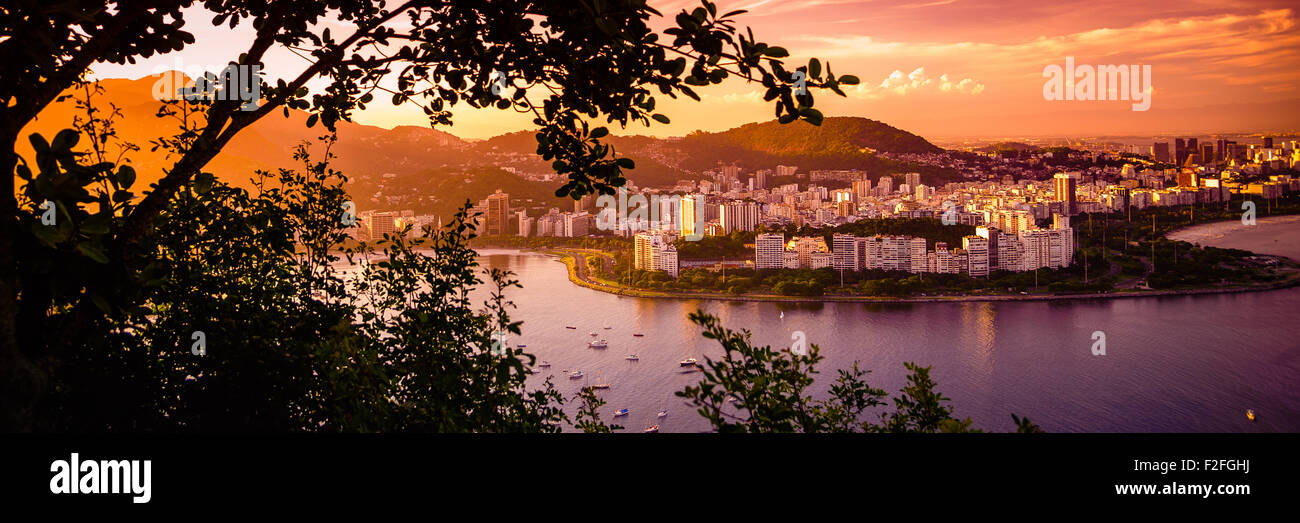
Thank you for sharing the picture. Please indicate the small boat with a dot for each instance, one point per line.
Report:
(544, 364)
(577, 375)
(637, 334)
(607, 327)
(1250, 414)
(600, 385)
(631, 357)
(620, 412)
(570, 327)
(689, 362)
(598, 344)
(662, 413)
(521, 345)
(653, 428)
(593, 333)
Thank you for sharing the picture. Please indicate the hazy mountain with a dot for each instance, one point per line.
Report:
(419, 163)
(839, 143)
(361, 151)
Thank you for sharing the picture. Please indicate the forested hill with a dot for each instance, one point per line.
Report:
(839, 143)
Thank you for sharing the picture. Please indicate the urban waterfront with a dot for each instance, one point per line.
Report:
(1173, 364)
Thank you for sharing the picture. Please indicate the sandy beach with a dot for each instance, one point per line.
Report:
(1276, 235)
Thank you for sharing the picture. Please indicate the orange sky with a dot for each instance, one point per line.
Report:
(952, 68)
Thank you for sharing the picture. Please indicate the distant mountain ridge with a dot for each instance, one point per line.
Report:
(836, 135)
(267, 144)
(419, 157)
(843, 142)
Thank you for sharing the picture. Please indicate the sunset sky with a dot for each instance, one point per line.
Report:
(952, 68)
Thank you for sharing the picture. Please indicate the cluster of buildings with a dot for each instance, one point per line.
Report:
(655, 252)
(1006, 209)
(373, 225)
(988, 250)
(1187, 152)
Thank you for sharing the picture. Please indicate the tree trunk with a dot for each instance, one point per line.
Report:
(20, 382)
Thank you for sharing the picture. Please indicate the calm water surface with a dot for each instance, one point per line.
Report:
(1173, 364)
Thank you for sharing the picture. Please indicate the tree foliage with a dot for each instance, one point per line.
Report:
(568, 64)
(761, 389)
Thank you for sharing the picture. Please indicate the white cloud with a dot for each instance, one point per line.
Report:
(902, 84)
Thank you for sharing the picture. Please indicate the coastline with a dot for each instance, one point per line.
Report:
(1216, 229)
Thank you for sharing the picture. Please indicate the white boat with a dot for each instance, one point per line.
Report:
(653, 428)
(598, 344)
(577, 375)
(662, 413)
(620, 412)
(521, 345)
(631, 357)
(544, 364)
(689, 362)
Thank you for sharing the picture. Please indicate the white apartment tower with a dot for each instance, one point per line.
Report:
(845, 249)
(769, 249)
(977, 255)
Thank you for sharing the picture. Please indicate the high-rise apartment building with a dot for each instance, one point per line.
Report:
(885, 185)
(845, 249)
(1064, 186)
(1160, 152)
(862, 188)
(497, 219)
(769, 249)
(690, 214)
(653, 252)
(977, 255)
(916, 255)
(738, 216)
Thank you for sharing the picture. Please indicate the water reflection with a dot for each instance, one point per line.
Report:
(1188, 363)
